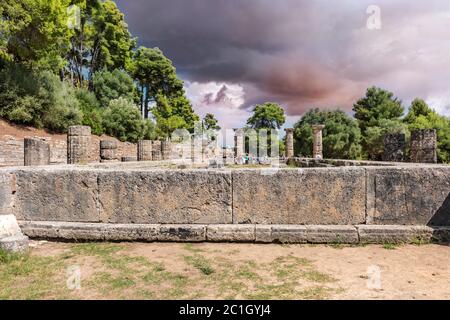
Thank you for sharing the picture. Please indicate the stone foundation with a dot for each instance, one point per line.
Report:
(132, 201)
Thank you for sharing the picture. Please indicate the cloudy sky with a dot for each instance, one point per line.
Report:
(233, 54)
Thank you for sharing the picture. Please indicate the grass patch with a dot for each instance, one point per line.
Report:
(390, 246)
(200, 263)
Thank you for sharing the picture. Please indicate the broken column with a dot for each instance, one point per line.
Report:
(156, 151)
(317, 141)
(289, 143)
(108, 150)
(144, 150)
(78, 141)
(166, 150)
(424, 146)
(239, 144)
(394, 147)
(36, 152)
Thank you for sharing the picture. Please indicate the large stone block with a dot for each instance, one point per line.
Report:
(408, 196)
(299, 196)
(394, 234)
(7, 188)
(57, 195)
(231, 233)
(165, 196)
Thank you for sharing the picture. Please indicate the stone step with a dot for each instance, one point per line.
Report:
(320, 234)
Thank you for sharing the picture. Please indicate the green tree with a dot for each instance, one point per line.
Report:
(38, 99)
(378, 113)
(102, 41)
(341, 136)
(156, 75)
(172, 114)
(113, 85)
(92, 112)
(122, 120)
(35, 32)
(421, 116)
(267, 116)
(210, 122)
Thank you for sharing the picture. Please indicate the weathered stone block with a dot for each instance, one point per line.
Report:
(171, 197)
(57, 195)
(36, 152)
(394, 147)
(18, 243)
(289, 234)
(75, 231)
(408, 196)
(182, 233)
(394, 234)
(299, 196)
(7, 188)
(332, 234)
(230, 233)
(424, 146)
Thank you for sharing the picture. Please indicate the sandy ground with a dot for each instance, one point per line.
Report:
(362, 272)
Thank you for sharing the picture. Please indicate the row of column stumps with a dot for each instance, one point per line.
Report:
(239, 142)
(37, 151)
(423, 148)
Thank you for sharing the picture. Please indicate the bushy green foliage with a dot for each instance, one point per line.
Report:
(39, 99)
(210, 122)
(267, 116)
(341, 136)
(113, 85)
(34, 32)
(122, 120)
(92, 112)
(172, 114)
(378, 113)
(421, 116)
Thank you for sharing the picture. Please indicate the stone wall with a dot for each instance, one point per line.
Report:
(12, 154)
(414, 195)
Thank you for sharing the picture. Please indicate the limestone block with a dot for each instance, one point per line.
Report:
(231, 233)
(182, 233)
(408, 196)
(394, 234)
(171, 197)
(299, 196)
(7, 188)
(36, 152)
(57, 195)
(73, 231)
(332, 234)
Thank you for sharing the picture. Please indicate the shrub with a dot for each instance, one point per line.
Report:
(122, 120)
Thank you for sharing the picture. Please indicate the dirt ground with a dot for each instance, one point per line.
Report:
(226, 271)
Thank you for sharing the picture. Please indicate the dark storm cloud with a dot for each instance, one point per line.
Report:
(301, 53)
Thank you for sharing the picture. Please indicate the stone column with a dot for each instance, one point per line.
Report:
(424, 146)
(394, 147)
(36, 152)
(78, 142)
(156, 151)
(239, 144)
(166, 150)
(108, 150)
(317, 141)
(144, 150)
(289, 143)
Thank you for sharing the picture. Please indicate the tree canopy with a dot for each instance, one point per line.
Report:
(267, 116)
(341, 136)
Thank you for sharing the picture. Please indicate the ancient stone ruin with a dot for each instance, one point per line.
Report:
(160, 198)
(424, 146)
(394, 147)
(36, 152)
